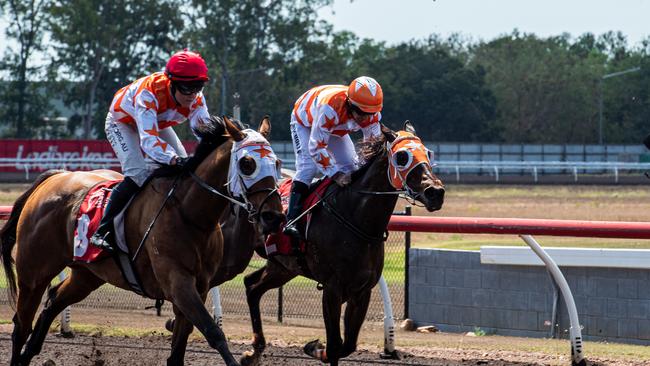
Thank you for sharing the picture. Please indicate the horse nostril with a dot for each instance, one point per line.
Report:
(432, 193)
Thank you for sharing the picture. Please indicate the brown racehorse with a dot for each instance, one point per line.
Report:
(345, 246)
(177, 262)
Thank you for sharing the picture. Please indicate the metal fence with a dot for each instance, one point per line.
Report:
(454, 159)
(297, 299)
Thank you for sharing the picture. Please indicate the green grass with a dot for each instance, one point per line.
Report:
(393, 272)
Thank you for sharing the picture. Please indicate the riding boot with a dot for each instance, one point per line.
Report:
(120, 196)
(298, 193)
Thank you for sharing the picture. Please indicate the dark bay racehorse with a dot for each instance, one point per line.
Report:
(345, 242)
(177, 262)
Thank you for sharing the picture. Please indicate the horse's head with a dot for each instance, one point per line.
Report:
(409, 167)
(254, 173)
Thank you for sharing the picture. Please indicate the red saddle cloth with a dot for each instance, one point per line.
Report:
(280, 243)
(88, 218)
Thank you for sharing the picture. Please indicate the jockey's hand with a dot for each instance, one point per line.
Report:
(179, 163)
(342, 179)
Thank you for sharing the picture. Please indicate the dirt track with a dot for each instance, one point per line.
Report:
(153, 350)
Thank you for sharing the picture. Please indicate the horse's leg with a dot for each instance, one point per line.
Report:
(29, 298)
(73, 289)
(355, 314)
(332, 315)
(185, 296)
(257, 283)
(181, 331)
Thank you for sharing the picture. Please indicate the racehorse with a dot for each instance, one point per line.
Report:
(176, 263)
(345, 241)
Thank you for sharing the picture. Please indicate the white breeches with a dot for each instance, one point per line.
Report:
(125, 141)
(340, 148)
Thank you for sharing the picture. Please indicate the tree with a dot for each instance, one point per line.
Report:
(423, 82)
(250, 45)
(24, 101)
(546, 89)
(101, 46)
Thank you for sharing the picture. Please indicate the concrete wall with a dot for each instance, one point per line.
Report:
(457, 293)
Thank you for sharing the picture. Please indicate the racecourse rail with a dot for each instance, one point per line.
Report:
(525, 228)
(496, 168)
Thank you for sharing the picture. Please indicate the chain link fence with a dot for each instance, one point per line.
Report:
(297, 299)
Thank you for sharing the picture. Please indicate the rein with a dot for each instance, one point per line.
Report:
(253, 214)
(146, 233)
(352, 228)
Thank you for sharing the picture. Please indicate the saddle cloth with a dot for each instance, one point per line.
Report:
(88, 218)
(280, 243)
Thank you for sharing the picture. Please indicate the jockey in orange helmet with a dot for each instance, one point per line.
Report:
(140, 120)
(321, 120)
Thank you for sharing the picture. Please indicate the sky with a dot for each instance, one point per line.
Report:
(394, 21)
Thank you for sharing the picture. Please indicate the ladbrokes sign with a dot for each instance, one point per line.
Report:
(41, 155)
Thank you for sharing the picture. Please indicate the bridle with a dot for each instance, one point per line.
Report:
(242, 201)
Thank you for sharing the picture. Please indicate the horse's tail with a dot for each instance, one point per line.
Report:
(8, 234)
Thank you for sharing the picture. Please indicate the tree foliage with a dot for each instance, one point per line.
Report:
(102, 45)
(25, 103)
(517, 88)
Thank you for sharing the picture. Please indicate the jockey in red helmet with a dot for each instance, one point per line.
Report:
(140, 119)
(321, 120)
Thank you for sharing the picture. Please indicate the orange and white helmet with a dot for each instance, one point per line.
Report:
(365, 93)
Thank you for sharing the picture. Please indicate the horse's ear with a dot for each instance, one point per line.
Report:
(265, 127)
(408, 127)
(235, 132)
(388, 133)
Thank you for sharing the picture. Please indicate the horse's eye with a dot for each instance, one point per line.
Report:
(247, 166)
(402, 158)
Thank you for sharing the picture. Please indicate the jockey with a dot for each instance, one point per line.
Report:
(140, 120)
(321, 120)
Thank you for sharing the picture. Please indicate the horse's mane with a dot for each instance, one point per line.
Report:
(368, 151)
(212, 135)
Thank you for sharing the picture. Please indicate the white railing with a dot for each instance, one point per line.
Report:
(495, 168)
(541, 167)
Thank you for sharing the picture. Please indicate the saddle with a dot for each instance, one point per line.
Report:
(88, 219)
(281, 244)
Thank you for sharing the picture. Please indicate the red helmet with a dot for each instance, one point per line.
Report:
(186, 66)
(365, 93)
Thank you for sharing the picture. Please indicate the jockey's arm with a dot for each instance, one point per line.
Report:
(199, 116)
(374, 129)
(319, 138)
(146, 107)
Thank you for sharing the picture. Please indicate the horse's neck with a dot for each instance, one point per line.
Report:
(199, 205)
(375, 209)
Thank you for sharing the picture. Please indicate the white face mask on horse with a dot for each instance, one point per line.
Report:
(267, 164)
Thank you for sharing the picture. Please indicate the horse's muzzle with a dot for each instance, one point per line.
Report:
(434, 198)
(270, 221)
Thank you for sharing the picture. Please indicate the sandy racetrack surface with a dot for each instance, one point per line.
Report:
(153, 350)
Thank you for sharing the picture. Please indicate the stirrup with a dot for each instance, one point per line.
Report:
(101, 242)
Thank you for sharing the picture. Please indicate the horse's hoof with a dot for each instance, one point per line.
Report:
(249, 359)
(169, 325)
(311, 348)
(49, 363)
